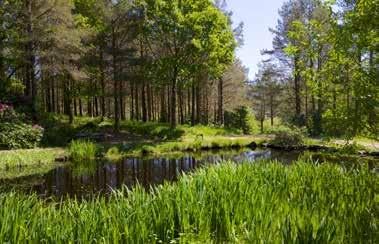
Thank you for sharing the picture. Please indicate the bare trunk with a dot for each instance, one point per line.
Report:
(297, 88)
(115, 84)
(220, 116)
(173, 99)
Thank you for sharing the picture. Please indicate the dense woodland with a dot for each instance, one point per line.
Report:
(174, 61)
(165, 61)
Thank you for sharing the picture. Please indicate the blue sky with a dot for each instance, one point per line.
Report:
(258, 16)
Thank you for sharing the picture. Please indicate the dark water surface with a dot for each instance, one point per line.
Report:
(83, 181)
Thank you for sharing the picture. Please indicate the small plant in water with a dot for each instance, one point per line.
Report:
(114, 154)
(82, 150)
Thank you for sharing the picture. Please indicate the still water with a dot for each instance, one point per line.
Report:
(86, 180)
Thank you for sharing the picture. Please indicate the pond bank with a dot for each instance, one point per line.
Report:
(46, 158)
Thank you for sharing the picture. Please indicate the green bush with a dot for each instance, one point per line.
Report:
(14, 133)
(82, 150)
(288, 138)
(242, 119)
(350, 148)
(19, 135)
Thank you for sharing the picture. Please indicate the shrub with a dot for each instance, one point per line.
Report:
(242, 119)
(15, 134)
(19, 135)
(8, 114)
(288, 138)
(350, 148)
(82, 150)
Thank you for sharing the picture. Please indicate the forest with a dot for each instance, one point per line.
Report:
(137, 121)
(169, 62)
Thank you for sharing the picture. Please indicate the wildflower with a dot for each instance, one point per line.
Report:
(38, 127)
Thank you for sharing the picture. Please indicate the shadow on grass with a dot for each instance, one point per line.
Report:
(58, 131)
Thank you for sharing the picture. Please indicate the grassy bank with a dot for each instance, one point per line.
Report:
(267, 202)
(19, 163)
(31, 157)
(156, 148)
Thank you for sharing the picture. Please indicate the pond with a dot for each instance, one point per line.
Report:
(83, 181)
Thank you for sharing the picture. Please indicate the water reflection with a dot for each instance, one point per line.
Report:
(85, 180)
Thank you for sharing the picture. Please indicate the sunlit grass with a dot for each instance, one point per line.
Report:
(31, 157)
(191, 145)
(249, 203)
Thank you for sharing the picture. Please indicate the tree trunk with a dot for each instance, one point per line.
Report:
(69, 99)
(272, 110)
(163, 115)
(121, 99)
(143, 102)
(132, 113)
(136, 102)
(31, 80)
(181, 110)
(297, 89)
(193, 112)
(115, 83)
(173, 98)
(198, 104)
(75, 107)
(102, 81)
(220, 114)
(150, 103)
(80, 107)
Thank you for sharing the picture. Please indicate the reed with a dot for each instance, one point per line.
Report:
(82, 150)
(248, 203)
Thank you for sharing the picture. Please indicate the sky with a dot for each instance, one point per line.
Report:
(258, 16)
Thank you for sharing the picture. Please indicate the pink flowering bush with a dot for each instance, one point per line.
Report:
(14, 132)
(8, 114)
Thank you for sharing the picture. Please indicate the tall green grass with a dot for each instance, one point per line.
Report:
(249, 203)
(28, 157)
(82, 150)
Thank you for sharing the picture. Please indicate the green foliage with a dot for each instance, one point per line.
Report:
(57, 131)
(289, 137)
(279, 125)
(350, 148)
(82, 150)
(269, 202)
(14, 132)
(241, 119)
(19, 135)
(113, 154)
